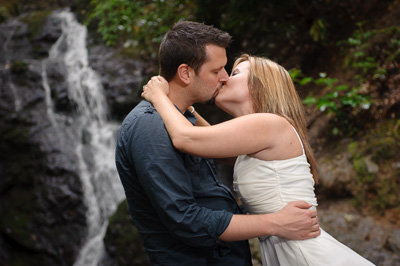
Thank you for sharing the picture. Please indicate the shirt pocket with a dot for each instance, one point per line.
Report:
(192, 165)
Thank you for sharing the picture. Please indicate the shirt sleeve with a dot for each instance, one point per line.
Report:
(168, 185)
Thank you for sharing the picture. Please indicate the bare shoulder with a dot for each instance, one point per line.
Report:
(268, 118)
(282, 140)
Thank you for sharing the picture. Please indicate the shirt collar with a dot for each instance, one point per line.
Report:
(189, 116)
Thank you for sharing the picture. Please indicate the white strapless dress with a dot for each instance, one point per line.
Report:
(267, 187)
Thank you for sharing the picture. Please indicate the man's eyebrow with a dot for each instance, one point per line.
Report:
(219, 68)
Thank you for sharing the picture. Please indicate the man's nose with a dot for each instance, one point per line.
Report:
(224, 78)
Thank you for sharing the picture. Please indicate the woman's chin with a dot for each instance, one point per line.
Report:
(221, 106)
(218, 103)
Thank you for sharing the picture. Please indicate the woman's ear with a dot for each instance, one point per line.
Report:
(184, 73)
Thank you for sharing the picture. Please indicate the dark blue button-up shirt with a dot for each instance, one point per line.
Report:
(176, 200)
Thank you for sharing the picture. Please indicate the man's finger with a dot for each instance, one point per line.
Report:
(313, 213)
(302, 204)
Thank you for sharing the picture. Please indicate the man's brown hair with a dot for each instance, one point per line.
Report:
(185, 43)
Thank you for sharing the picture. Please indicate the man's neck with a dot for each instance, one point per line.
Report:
(179, 96)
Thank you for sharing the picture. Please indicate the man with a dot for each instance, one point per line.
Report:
(185, 215)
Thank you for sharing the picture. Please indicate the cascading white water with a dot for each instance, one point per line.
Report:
(101, 185)
(17, 100)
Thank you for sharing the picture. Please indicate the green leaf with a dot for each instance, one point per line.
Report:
(305, 80)
(310, 100)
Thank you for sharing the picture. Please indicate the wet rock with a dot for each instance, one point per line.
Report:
(42, 214)
(122, 78)
(122, 240)
(393, 242)
(369, 238)
(336, 175)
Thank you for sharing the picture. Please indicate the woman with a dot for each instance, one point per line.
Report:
(275, 163)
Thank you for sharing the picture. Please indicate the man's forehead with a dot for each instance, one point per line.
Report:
(215, 55)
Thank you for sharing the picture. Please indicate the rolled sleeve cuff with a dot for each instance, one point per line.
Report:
(222, 248)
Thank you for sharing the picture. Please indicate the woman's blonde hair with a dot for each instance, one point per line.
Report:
(272, 91)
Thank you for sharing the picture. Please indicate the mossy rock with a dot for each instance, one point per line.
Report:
(19, 67)
(17, 219)
(383, 148)
(34, 20)
(122, 241)
(374, 157)
(361, 168)
(387, 194)
(353, 148)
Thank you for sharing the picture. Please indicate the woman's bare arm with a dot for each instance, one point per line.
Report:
(243, 135)
(200, 121)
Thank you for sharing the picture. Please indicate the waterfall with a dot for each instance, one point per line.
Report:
(17, 100)
(91, 128)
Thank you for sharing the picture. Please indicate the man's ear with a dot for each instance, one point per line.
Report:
(184, 73)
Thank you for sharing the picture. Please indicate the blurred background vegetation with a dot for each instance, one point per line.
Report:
(342, 55)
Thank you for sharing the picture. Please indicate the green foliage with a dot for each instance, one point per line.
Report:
(360, 47)
(9, 8)
(338, 101)
(13, 8)
(318, 30)
(370, 52)
(137, 25)
(4, 14)
(369, 65)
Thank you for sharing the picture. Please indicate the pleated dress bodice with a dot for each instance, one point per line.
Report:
(268, 186)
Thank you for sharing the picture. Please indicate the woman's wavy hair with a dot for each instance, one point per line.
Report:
(272, 91)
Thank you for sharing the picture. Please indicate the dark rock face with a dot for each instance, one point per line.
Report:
(42, 215)
(122, 78)
(42, 207)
